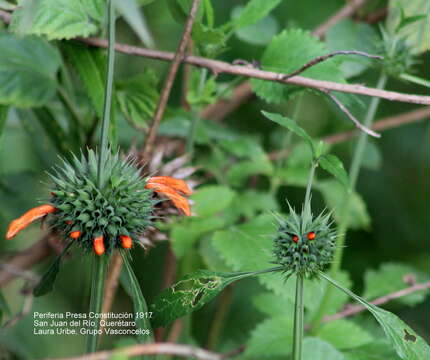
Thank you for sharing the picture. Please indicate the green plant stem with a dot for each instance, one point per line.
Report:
(298, 319)
(345, 205)
(108, 90)
(100, 264)
(309, 187)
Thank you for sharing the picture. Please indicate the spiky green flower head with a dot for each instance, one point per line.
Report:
(304, 244)
(113, 208)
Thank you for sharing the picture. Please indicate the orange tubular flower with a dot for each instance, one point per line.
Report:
(75, 234)
(126, 241)
(173, 189)
(22, 222)
(99, 246)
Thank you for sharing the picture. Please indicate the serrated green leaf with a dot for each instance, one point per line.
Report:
(212, 199)
(408, 345)
(137, 98)
(46, 284)
(90, 65)
(28, 68)
(190, 294)
(344, 334)
(59, 19)
(253, 11)
(292, 126)
(131, 285)
(287, 52)
(391, 277)
(334, 166)
(272, 337)
(334, 193)
(415, 30)
(240, 171)
(317, 349)
(272, 305)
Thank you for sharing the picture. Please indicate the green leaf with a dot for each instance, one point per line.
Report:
(59, 19)
(253, 11)
(138, 97)
(28, 68)
(4, 110)
(334, 166)
(352, 35)
(292, 126)
(6, 5)
(390, 277)
(46, 284)
(408, 345)
(212, 199)
(317, 349)
(410, 19)
(90, 65)
(241, 171)
(376, 350)
(334, 193)
(287, 52)
(272, 305)
(185, 234)
(131, 285)
(190, 294)
(211, 42)
(344, 334)
(259, 33)
(272, 337)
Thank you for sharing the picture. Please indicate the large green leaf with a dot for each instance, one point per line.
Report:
(90, 65)
(391, 277)
(131, 285)
(408, 345)
(344, 334)
(59, 19)
(212, 199)
(417, 33)
(28, 68)
(317, 349)
(137, 98)
(287, 52)
(190, 294)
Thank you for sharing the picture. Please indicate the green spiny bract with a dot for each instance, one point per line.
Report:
(304, 245)
(120, 206)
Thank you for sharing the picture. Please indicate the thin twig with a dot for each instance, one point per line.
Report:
(168, 84)
(381, 125)
(343, 13)
(156, 348)
(351, 117)
(218, 67)
(355, 309)
(325, 57)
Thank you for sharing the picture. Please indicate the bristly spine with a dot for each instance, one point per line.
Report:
(304, 244)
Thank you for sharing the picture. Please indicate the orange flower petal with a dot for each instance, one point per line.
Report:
(99, 246)
(75, 234)
(126, 241)
(175, 184)
(31, 215)
(179, 201)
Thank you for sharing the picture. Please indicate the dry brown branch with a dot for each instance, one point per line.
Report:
(157, 348)
(218, 67)
(343, 13)
(168, 84)
(381, 125)
(355, 309)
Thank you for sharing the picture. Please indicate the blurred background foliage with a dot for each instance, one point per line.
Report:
(238, 184)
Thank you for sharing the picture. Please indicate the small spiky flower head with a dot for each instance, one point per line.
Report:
(304, 244)
(105, 213)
